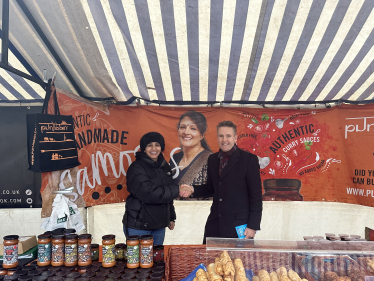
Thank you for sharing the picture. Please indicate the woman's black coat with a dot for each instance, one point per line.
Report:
(150, 203)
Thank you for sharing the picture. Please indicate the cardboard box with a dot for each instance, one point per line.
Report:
(25, 243)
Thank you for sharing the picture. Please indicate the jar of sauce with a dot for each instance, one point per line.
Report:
(58, 250)
(10, 256)
(69, 231)
(109, 257)
(282, 190)
(132, 243)
(158, 253)
(44, 249)
(71, 250)
(146, 251)
(83, 269)
(84, 249)
(94, 252)
(119, 251)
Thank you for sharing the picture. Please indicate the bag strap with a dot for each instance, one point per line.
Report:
(48, 94)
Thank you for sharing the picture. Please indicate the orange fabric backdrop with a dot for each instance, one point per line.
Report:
(330, 150)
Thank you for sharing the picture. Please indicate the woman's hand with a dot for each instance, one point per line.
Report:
(185, 190)
(171, 225)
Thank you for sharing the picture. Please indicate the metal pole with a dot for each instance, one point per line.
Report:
(5, 32)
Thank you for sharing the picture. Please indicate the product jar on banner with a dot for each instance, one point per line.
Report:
(44, 249)
(71, 250)
(132, 243)
(146, 251)
(282, 190)
(84, 249)
(10, 256)
(109, 257)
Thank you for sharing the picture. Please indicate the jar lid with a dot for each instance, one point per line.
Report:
(84, 266)
(11, 277)
(133, 237)
(117, 269)
(121, 245)
(158, 247)
(128, 275)
(21, 272)
(85, 236)
(329, 234)
(18, 267)
(157, 275)
(275, 183)
(71, 236)
(25, 278)
(11, 237)
(343, 235)
(55, 278)
(114, 275)
(40, 278)
(73, 275)
(142, 275)
(93, 246)
(82, 279)
(69, 231)
(34, 272)
(146, 237)
(67, 268)
(44, 236)
(89, 274)
(29, 267)
(97, 278)
(58, 236)
(108, 237)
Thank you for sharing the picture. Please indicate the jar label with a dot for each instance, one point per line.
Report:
(119, 253)
(58, 253)
(44, 252)
(71, 252)
(84, 252)
(133, 254)
(95, 254)
(146, 254)
(109, 254)
(10, 254)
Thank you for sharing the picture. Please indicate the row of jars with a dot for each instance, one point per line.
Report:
(71, 249)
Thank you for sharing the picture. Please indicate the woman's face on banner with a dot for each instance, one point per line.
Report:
(153, 150)
(188, 133)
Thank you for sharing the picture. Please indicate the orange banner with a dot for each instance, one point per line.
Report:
(310, 155)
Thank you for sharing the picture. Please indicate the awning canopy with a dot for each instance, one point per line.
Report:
(194, 50)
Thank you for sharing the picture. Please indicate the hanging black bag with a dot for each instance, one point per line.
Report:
(50, 138)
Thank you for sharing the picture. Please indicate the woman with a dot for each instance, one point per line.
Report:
(149, 207)
(190, 165)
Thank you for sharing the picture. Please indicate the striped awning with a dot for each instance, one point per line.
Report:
(195, 50)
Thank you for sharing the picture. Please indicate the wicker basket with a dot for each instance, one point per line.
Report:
(181, 261)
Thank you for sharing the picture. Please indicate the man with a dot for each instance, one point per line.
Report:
(235, 184)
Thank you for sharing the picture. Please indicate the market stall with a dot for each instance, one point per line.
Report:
(67, 256)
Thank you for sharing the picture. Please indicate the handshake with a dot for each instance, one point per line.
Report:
(185, 190)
